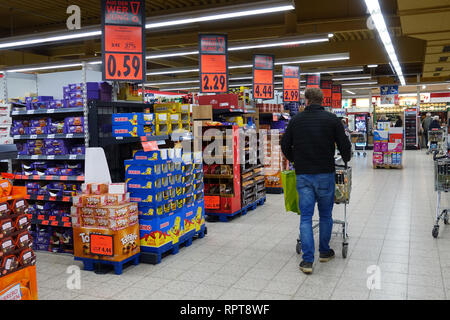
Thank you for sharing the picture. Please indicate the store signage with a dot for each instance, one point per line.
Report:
(326, 85)
(123, 40)
(291, 84)
(336, 96)
(389, 95)
(212, 202)
(213, 49)
(312, 81)
(102, 245)
(263, 76)
(150, 145)
(339, 112)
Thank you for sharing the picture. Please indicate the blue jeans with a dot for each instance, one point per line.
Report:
(312, 188)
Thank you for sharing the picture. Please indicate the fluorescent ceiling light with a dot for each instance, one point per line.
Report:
(358, 83)
(332, 71)
(226, 12)
(62, 66)
(170, 54)
(220, 16)
(424, 86)
(372, 65)
(154, 73)
(68, 36)
(277, 44)
(357, 77)
(377, 16)
(330, 35)
(351, 92)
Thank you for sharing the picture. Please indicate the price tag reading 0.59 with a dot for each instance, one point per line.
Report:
(214, 83)
(263, 91)
(291, 95)
(121, 66)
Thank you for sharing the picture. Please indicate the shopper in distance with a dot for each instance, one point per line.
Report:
(309, 143)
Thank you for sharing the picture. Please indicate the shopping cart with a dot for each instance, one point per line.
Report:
(435, 140)
(343, 178)
(441, 184)
(358, 138)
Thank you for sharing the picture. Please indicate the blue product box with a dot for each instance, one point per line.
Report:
(194, 218)
(146, 196)
(90, 86)
(379, 135)
(56, 104)
(188, 180)
(161, 231)
(150, 210)
(146, 157)
(119, 119)
(144, 184)
(150, 171)
(128, 131)
(74, 103)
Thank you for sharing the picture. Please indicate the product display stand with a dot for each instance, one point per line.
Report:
(411, 129)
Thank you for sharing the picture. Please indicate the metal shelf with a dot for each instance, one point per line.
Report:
(50, 136)
(46, 111)
(41, 157)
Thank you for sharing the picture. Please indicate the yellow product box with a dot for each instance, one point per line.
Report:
(175, 118)
(167, 108)
(162, 118)
(162, 129)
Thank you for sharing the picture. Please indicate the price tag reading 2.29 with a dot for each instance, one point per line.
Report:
(291, 84)
(213, 63)
(263, 76)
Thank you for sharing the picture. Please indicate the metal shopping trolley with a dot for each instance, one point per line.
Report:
(435, 140)
(343, 178)
(358, 138)
(441, 184)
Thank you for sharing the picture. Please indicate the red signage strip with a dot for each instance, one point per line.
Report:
(123, 40)
(313, 81)
(326, 85)
(263, 78)
(336, 96)
(213, 49)
(291, 84)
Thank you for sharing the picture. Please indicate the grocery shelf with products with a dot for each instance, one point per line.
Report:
(411, 121)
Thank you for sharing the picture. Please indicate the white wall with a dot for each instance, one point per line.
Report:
(20, 84)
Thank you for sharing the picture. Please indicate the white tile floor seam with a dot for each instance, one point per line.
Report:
(391, 215)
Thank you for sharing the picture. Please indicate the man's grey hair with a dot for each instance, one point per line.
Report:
(428, 114)
(314, 95)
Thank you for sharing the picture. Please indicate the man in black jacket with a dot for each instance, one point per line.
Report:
(309, 142)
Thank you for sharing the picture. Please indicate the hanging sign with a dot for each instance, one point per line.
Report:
(263, 76)
(123, 40)
(102, 245)
(213, 49)
(291, 84)
(336, 96)
(326, 85)
(389, 95)
(313, 81)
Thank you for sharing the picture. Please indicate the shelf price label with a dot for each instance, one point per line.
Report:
(212, 202)
(326, 86)
(213, 49)
(291, 84)
(336, 96)
(102, 245)
(123, 40)
(263, 76)
(313, 80)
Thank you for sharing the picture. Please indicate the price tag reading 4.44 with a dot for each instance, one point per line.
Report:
(213, 63)
(291, 84)
(263, 76)
(102, 245)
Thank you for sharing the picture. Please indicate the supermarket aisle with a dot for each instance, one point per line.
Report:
(253, 257)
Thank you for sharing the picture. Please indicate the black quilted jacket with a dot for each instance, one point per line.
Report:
(310, 139)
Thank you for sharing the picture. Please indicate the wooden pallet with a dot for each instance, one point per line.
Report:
(225, 217)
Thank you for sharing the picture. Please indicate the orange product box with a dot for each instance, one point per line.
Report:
(123, 210)
(87, 200)
(108, 244)
(117, 199)
(19, 285)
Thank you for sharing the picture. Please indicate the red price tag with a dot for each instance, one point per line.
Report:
(41, 217)
(45, 223)
(65, 219)
(263, 76)
(67, 224)
(313, 81)
(54, 223)
(121, 66)
(52, 218)
(326, 85)
(213, 63)
(291, 84)
(102, 245)
(150, 145)
(212, 202)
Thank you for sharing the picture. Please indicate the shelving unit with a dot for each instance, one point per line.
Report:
(411, 129)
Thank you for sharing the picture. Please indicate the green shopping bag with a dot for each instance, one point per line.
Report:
(289, 181)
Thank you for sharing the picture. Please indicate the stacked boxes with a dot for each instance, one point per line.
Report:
(133, 124)
(270, 107)
(168, 187)
(98, 210)
(274, 160)
(170, 117)
(5, 124)
(388, 147)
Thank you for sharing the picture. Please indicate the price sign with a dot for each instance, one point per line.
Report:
(263, 76)
(313, 81)
(326, 85)
(213, 61)
(123, 40)
(102, 245)
(212, 202)
(150, 145)
(336, 96)
(291, 84)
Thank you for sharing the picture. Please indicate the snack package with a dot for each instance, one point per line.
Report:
(98, 188)
(6, 227)
(56, 104)
(94, 200)
(54, 143)
(18, 130)
(9, 265)
(74, 121)
(4, 210)
(27, 258)
(36, 130)
(74, 129)
(77, 150)
(56, 127)
(23, 240)
(74, 103)
(22, 222)
(5, 188)
(39, 122)
(117, 199)
(117, 188)
(6, 246)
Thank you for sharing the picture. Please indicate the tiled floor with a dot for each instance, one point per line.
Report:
(391, 215)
